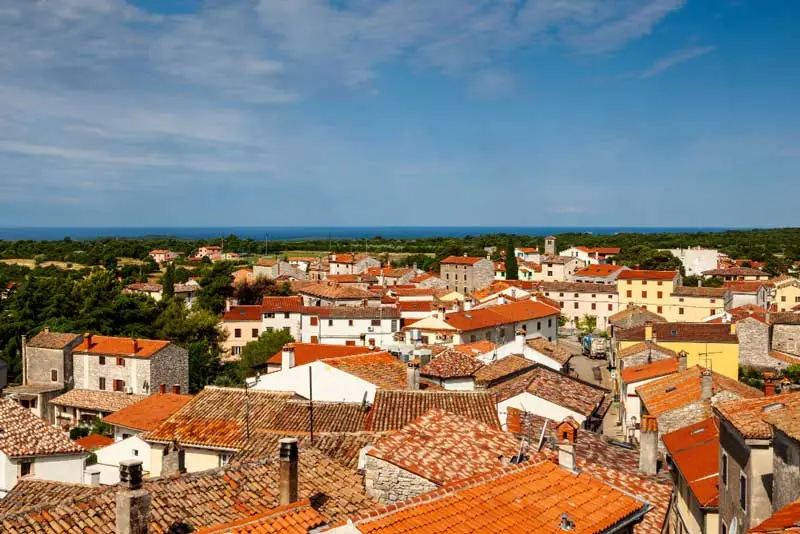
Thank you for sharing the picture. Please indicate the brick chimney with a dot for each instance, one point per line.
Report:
(133, 501)
(135, 345)
(648, 445)
(287, 484)
(412, 375)
(287, 357)
(769, 384)
(706, 385)
(648, 331)
(88, 337)
(567, 432)
(682, 359)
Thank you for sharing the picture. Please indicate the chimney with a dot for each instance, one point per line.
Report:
(287, 357)
(91, 475)
(769, 384)
(371, 343)
(457, 306)
(648, 445)
(287, 484)
(733, 328)
(133, 501)
(162, 388)
(501, 300)
(519, 341)
(706, 385)
(412, 375)
(172, 463)
(46, 329)
(567, 437)
(135, 345)
(648, 331)
(176, 389)
(682, 359)
(468, 304)
(88, 337)
(566, 522)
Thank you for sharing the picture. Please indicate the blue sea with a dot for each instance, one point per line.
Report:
(296, 233)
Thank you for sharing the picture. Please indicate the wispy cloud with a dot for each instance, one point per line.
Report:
(675, 59)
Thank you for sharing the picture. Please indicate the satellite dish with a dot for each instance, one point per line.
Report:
(734, 529)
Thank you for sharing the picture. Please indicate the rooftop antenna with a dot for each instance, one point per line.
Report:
(311, 405)
(541, 437)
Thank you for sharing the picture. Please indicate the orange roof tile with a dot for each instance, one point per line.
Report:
(415, 306)
(744, 286)
(502, 369)
(693, 291)
(476, 348)
(94, 441)
(462, 260)
(638, 373)
(558, 353)
(281, 304)
(530, 497)
(668, 332)
(149, 412)
(310, 352)
(444, 447)
(379, 368)
(25, 434)
(394, 409)
(451, 364)
(295, 518)
(735, 271)
(786, 419)
(333, 290)
(51, 340)
(646, 346)
(694, 450)
(750, 416)
(640, 274)
(601, 270)
(120, 346)
(787, 519)
(499, 315)
(243, 313)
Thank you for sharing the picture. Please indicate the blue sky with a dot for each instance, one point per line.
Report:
(399, 112)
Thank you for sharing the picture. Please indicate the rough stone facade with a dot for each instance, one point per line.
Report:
(785, 470)
(641, 358)
(678, 418)
(170, 367)
(39, 363)
(388, 483)
(786, 338)
(754, 345)
(467, 278)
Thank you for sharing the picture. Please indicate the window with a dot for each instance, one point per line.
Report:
(121, 362)
(285, 329)
(53, 375)
(465, 290)
(102, 360)
(724, 529)
(660, 294)
(314, 321)
(349, 322)
(350, 343)
(575, 305)
(680, 311)
(561, 305)
(644, 294)
(680, 299)
(561, 294)
(713, 311)
(237, 332)
(224, 458)
(101, 383)
(629, 293)
(549, 273)
(743, 492)
(286, 315)
(547, 294)
(644, 282)
(314, 339)
(472, 338)
(593, 295)
(538, 325)
(724, 470)
(783, 299)
(119, 385)
(25, 468)
(330, 322)
(394, 325)
(269, 315)
(375, 322)
(659, 309)
(630, 282)
(549, 323)
(456, 278)
(575, 295)
(659, 282)
(610, 307)
(134, 451)
(270, 329)
(254, 333)
(236, 351)
(713, 301)
(797, 299)
(594, 306)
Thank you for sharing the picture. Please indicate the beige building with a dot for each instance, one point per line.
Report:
(559, 268)
(786, 295)
(650, 290)
(693, 304)
(578, 300)
(465, 273)
(241, 325)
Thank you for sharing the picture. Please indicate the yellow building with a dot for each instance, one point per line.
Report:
(787, 295)
(694, 304)
(648, 289)
(712, 345)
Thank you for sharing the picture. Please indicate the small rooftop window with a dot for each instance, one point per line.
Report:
(772, 407)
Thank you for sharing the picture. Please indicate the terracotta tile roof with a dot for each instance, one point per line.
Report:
(51, 340)
(787, 519)
(578, 287)
(694, 450)
(145, 287)
(281, 304)
(206, 498)
(443, 447)
(694, 291)
(634, 316)
(680, 389)
(215, 417)
(744, 286)
(605, 250)
(618, 466)
(495, 287)
(750, 416)
(342, 447)
(558, 353)
(148, 413)
(785, 318)
(295, 518)
(669, 332)
(788, 358)
(646, 346)
(556, 260)
(462, 260)
(499, 315)
(637, 373)
(533, 266)
(502, 369)
(243, 313)
(101, 401)
(310, 352)
(412, 291)
(415, 306)
(600, 270)
(476, 348)
(558, 388)
(392, 410)
(529, 497)
(121, 346)
(640, 274)
(33, 493)
(332, 290)
(353, 312)
(528, 250)
(735, 271)
(379, 368)
(94, 441)
(451, 364)
(25, 434)
(748, 310)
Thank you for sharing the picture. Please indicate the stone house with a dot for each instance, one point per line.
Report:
(785, 332)
(746, 293)
(46, 369)
(731, 274)
(350, 263)
(334, 294)
(272, 269)
(785, 422)
(466, 274)
(559, 268)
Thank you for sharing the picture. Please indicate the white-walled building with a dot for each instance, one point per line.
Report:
(109, 457)
(577, 300)
(631, 378)
(366, 326)
(696, 260)
(559, 268)
(30, 447)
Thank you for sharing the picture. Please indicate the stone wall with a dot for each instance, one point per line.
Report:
(170, 366)
(679, 418)
(640, 358)
(39, 363)
(88, 371)
(388, 483)
(754, 343)
(786, 338)
(786, 470)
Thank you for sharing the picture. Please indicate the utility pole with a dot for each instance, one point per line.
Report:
(310, 405)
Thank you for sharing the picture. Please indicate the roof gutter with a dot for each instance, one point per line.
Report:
(631, 520)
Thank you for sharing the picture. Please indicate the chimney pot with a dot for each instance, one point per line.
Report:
(135, 345)
(412, 375)
(706, 385)
(287, 357)
(648, 445)
(176, 389)
(88, 337)
(133, 501)
(130, 474)
(682, 359)
(287, 485)
(769, 384)
(92, 475)
(162, 388)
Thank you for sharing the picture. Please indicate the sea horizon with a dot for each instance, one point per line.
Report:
(299, 233)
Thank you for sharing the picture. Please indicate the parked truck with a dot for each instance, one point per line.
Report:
(594, 347)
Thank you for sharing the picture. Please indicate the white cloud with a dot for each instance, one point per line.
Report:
(674, 59)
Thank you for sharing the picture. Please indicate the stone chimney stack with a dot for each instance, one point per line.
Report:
(682, 359)
(706, 385)
(412, 376)
(769, 384)
(172, 463)
(133, 501)
(287, 484)
(648, 445)
(287, 357)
